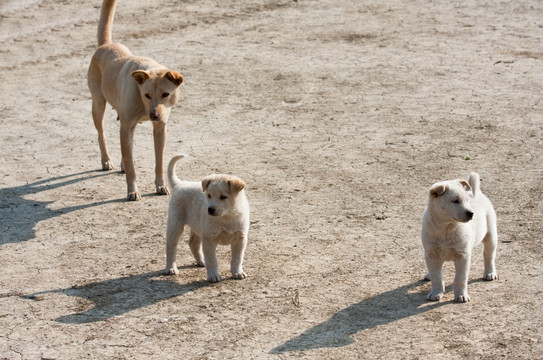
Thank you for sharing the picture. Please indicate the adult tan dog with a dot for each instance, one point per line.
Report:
(458, 216)
(139, 89)
(217, 212)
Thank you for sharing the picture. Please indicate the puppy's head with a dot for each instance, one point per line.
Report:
(222, 192)
(450, 199)
(159, 91)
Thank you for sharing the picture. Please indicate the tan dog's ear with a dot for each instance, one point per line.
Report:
(236, 185)
(465, 184)
(438, 190)
(206, 182)
(174, 77)
(140, 76)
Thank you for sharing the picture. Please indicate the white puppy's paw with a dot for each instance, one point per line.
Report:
(107, 165)
(162, 190)
(491, 276)
(239, 275)
(461, 298)
(172, 271)
(434, 295)
(214, 277)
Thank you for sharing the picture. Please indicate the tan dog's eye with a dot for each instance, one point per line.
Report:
(223, 197)
(165, 95)
(148, 96)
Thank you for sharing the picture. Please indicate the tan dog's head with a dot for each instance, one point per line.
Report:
(221, 192)
(159, 91)
(449, 199)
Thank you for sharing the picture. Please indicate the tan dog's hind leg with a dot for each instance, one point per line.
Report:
(127, 163)
(98, 110)
(159, 135)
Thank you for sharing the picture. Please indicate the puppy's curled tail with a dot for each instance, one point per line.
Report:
(474, 182)
(107, 13)
(172, 178)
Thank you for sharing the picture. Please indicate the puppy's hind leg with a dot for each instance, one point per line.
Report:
(490, 243)
(195, 244)
(174, 231)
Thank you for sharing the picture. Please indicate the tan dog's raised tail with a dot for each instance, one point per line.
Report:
(139, 89)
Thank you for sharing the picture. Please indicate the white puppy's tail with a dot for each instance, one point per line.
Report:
(172, 178)
(474, 182)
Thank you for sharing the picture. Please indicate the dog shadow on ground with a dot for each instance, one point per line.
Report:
(403, 302)
(19, 216)
(107, 299)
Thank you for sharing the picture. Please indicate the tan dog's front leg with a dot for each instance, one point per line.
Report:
(461, 266)
(127, 141)
(159, 135)
(236, 264)
(210, 255)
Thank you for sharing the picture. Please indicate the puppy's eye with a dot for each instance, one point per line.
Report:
(148, 96)
(455, 201)
(223, 197)
(165, 95)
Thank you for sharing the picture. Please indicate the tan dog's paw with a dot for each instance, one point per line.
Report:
(491, 276)
(434, 295)
(162, 190)
(172, 271)
(427, 277)
(107, 165)
(134, 196)
(462, 298)
(239, 275)
(215, 277)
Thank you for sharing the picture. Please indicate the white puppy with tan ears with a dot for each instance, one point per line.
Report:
(458, 216)
(217, 212)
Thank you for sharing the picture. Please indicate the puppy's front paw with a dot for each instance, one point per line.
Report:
(134, 196)
(461, 298)
(239, 275)
(491, 276)
(215, 277)
(162, 190)
(434, 295)
(107, 165)
(172, 271)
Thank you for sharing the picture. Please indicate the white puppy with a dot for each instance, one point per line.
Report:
(217, 212)
(458, 216)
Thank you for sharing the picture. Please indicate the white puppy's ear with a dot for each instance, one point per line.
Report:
(140, 76)
(438, 190)
(236, 185)
(206, 182)
(465, 184)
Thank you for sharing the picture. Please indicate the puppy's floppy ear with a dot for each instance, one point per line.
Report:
(206, 182)
(236, 185)
(438, 190)
(465, 184)
(140, 76)
(174, 77)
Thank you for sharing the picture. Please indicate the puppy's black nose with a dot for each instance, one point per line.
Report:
(153, 116)
(469, 214)
(211, 211)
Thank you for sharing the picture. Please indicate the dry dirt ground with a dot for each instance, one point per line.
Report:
(339, 115)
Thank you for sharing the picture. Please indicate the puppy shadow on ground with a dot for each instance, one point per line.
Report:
(107, 299)
(382, 309)
(19, 215)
